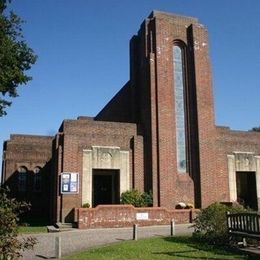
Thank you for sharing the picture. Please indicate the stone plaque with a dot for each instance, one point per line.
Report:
(142, 216)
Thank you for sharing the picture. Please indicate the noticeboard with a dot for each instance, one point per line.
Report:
(69, 182)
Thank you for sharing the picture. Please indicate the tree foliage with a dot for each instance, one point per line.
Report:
(10, 245)
(256, 129)
(15, 56)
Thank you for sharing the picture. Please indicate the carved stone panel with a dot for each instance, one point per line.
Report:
(243, 162)
(104, 157)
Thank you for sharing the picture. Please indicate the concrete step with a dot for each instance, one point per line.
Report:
(52, 229)
(64, 226)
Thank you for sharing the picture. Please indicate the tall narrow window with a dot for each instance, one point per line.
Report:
(37, 180)
(178, 78)
(22, 179)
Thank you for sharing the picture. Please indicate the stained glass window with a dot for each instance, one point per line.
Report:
(178, 75)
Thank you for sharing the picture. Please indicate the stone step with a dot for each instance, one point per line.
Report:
(52, 229)
(64, 226)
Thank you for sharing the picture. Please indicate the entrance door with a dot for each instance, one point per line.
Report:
(246, 189)
(105, 187)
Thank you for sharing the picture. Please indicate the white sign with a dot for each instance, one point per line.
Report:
(142, 216)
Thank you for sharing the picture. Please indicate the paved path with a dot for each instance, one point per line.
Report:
(77, 240)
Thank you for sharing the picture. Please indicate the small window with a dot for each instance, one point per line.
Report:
(22, 179)
(37, 180)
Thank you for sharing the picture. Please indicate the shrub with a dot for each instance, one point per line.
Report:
(132, 197)
(86, 205)
(136, 198)
(147, 198)
(211, 225)
(10, 245)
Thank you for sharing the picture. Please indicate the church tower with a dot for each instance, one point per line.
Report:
(171, 72)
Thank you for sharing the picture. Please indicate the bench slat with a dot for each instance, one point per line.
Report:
(244, 224)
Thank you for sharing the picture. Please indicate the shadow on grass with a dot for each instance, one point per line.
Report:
(197, 248)
(46, 257)
(33, 222)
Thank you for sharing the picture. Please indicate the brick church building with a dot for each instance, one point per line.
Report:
(157, 133)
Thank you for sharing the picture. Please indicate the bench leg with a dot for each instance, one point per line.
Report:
(244, 242)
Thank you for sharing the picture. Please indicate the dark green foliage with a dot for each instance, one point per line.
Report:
(147, 198)
(137, 199)
(86, 205)
(132, 197)
(256, 129)
(10, 246)
(15, 56)
(211, 224)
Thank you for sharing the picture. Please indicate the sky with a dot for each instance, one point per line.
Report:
(83, 58)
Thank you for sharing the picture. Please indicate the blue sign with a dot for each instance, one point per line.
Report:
(69, 182)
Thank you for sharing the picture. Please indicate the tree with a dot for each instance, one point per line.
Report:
(256, 129)
(10, 245)
(15, 56)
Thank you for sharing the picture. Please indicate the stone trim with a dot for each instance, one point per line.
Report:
(104, 157)
(243, 161)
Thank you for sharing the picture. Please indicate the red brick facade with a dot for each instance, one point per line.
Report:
(139, 124)
(125, 216)
(30, 152)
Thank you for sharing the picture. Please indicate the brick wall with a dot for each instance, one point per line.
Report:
(154, 86)
(227, 142)
(104, 216)
(29, 151)
(121, 107)
(82, 134)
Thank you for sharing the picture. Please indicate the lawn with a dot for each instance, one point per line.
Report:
(160, 248)
(32, 229)
(33, 226)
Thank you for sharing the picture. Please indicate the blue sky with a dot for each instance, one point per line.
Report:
(83, 49)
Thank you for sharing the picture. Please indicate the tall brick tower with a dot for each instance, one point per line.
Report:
(170, 70)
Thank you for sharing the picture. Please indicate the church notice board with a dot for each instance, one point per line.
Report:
(69, 183)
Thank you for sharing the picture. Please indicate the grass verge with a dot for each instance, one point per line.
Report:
(33, 225)
(160, 248)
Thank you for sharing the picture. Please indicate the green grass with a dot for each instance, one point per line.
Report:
(30, 229)
(160, 248)
(33, 225)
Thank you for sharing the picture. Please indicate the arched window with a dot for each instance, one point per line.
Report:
(179, 89)
(37, 179)
(22, 179)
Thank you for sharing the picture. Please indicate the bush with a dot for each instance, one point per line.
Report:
(147, 198)
(86, 205)
(137, 199)
(211, 225)
(10, 245)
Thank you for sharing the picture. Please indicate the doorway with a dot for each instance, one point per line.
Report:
(105, 187)
(246, 189)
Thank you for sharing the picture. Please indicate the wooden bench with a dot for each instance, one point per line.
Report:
(244, 225)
